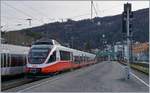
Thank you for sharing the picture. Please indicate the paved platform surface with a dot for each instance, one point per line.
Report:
(102, 77)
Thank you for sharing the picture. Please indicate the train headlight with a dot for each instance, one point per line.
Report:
(35, 70)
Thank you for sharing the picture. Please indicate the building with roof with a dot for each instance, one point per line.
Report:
(141, 52)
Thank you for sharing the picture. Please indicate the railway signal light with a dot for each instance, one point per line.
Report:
(124, 27)
(130, 15)
(127, 28)
(130, 28)
(124, 18)
(127, 6)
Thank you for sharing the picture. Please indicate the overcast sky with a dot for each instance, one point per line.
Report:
(14, 13)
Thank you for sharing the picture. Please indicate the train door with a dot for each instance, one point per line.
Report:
(8, 63)
(5, 64)
(57, 55)
(2, 63)
(9, 60)
(82, 58)
(22, 62)
(71, 56)
(25, 62)
(71, 60)
(52, 57)
(7, 70)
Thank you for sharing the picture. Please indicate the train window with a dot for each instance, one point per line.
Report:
(52, 57)
(16, 60)
(77, 59)
(81, 58)
(5, 62)
(2, 60)
(19, 60)
(65, 55)
(38, 55)
(84, 58)
(13, 60)
(45, 43)
(8, 60)
(25, 60)
(88, 59)
(71, 54)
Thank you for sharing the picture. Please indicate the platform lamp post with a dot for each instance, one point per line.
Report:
(103, 36)
(1, 35)
(72, 42)
(29, 19)
(0, 43)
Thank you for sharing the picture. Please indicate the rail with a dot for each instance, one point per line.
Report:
(142, 67)
(14, 83)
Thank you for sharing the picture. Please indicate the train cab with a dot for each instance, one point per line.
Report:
(41, 53)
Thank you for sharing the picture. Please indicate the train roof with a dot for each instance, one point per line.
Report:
(45, 41)
(13, 49)
(75, 50)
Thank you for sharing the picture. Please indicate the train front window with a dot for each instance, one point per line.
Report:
(38, 55)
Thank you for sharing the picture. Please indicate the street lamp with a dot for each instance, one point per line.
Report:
(103, 36)
(29, 19)
(72, 41)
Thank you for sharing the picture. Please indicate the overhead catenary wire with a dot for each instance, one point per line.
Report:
(34, 10)
(79, 15)
(7, 27)
(13, 21)
(12, 18)
(39, 13)
(17, 9)
(20, 11)
(43, 15)
(9, 17)
(93, 7)
(95, 10)
(97, 7)
(107, 9)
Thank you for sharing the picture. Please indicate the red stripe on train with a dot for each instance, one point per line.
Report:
(62, 65)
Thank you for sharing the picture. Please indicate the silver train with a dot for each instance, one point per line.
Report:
(13, 59)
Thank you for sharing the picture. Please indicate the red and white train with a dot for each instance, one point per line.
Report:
(48, 57)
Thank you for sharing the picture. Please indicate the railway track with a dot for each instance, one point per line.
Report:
(16, 82)
(21, 81)
(142, 68)
(12, 83)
